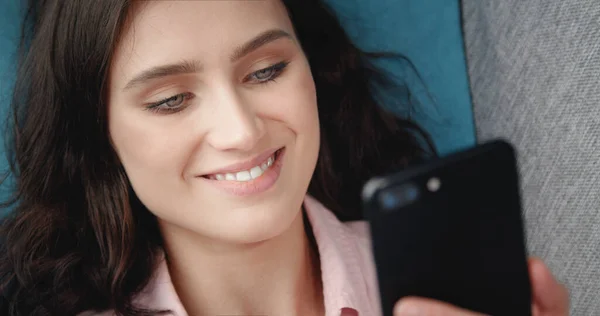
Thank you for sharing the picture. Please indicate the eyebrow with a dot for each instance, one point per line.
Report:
(262, 39)
(187, 66)
(184, 67)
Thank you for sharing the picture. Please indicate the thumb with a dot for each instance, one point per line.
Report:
(549, 296)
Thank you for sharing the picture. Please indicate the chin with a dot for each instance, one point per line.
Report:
(264, 224)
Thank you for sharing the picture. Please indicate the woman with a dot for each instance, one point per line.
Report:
(164, 152)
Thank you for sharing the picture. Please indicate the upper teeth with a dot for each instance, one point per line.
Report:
(247, 175)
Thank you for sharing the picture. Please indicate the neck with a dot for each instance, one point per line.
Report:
(279, 276)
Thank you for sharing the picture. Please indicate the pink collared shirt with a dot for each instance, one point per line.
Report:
(347, 267)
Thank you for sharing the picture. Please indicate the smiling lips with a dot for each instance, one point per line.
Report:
(250, 178)
(245, 175)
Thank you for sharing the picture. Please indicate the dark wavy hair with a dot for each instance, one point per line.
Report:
(78, 238)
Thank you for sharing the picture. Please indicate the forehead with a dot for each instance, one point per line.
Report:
(160, 32)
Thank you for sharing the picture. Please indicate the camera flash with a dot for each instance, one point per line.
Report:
(434, 184)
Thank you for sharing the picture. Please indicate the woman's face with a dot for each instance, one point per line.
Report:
(213, 113)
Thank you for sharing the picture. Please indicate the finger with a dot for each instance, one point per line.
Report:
(549, 296)
(535, 310)
(416, 306)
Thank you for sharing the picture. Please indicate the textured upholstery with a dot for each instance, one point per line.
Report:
(534, 69)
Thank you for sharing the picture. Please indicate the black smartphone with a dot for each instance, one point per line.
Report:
(452, 230)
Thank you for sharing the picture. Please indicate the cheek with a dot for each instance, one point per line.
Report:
(295, 103)
(153, 158)
(147, 151)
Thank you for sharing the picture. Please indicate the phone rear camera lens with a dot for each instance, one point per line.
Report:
(411, 193)
(394, 198)
(389, 200)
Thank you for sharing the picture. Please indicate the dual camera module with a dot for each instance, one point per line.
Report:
(406, 194)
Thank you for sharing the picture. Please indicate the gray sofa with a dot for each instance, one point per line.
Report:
(534, 69)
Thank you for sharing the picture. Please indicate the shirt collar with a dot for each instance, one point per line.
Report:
(343, 263)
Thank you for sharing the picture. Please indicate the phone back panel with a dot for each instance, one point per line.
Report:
(463, 244)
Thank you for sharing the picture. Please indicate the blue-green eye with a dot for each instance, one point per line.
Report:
(175, 103)
(264, 74)
(267, 74)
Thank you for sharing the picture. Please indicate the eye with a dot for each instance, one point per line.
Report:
(264, 74)
(267, 74)
(172, 104)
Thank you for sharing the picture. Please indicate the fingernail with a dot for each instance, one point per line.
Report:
(407, 309)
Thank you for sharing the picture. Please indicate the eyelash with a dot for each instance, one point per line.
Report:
(277, 71)
(157, 107)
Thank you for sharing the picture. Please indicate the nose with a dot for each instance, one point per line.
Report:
(237, 125)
